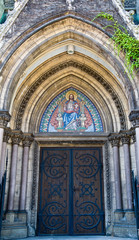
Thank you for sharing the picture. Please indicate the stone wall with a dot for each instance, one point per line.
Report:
(37, 67)
(35, 12)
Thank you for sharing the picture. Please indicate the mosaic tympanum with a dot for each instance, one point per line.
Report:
(71, 111)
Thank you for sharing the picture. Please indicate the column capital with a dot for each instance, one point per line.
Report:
(125, 136)
(16, 136)
(27, 139)
(134, 117)
(114, 139)
(133, 134)
(7, 134)
(4, 118)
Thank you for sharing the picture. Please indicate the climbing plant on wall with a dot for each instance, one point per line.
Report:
(123, 41)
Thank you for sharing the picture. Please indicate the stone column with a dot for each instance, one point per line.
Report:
(133, 137)
(134, 118)
(4, 148)
(114, 139)
(125, 138)
(16, 138)
(4, 119)
(27, 140)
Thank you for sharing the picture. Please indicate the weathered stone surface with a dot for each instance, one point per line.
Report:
(14, 226)
(39, 11)
(125, 224)
(36, 68)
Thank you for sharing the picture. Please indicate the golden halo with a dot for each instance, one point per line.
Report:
(69, 93)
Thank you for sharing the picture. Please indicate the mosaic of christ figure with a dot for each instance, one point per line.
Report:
(71, 113)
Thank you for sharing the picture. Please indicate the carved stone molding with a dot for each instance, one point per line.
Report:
(82, 67)
(93, 142)
(107, 175)
(133, 134)
(34, 186)
(125, 137)
(7, 134)
(4, 118)
(27, 139)
(114, 140)
(134, 118)
(16, 136)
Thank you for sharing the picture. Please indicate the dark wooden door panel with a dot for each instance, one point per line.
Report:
(87, 195)
(54, 192)
(70, 193)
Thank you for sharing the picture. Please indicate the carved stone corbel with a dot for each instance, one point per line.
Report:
(27, 139)
(7, 135)
(133, 134)
(4, 118)
(16, 136)
(134, 118)
(114, 139)
(125, 136)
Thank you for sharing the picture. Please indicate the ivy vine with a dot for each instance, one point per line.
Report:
(123, 41)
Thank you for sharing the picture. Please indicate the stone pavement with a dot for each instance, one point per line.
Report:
(77, 238)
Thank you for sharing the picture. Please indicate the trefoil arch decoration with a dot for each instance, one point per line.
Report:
(71, 111)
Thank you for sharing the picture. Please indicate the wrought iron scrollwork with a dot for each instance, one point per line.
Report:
(55, 208)
(71, 192)
(89, 215)
(53, 203)
(55, 189)
(54, 165)
(87, 189)
(87, 165)
(52, 215)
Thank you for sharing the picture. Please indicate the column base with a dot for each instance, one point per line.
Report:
(118, 215)
(124, 224)
(15, 225)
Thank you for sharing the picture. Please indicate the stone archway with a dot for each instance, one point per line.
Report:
(39, 69)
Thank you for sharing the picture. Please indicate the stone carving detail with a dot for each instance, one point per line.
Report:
(7, 135)
(4, 118)
(69, 2)
(107, 176)
(114, 139)
(27, 139)
(133, 134)
(130, 15)
(16, 136)
(134, 117)
(125, 137)
(108, 187)
(34, 187)
(58, 68)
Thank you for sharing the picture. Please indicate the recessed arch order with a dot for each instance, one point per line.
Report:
(43, 57)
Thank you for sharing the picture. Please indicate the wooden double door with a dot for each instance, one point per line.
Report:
(70, 191)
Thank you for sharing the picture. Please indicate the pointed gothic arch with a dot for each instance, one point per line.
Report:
(36, 68)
